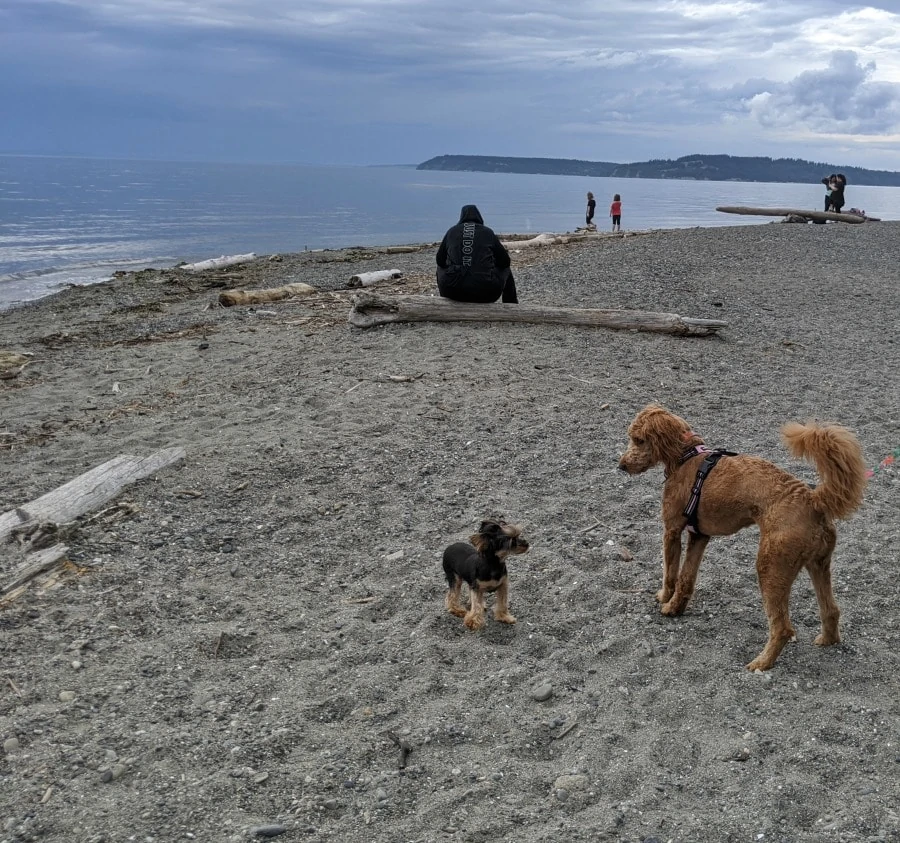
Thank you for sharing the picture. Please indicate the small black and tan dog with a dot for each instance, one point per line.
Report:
(482, 566)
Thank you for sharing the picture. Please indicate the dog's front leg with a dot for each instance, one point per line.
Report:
(671, 563)
(475, 617)
(501, 607)
(687, 577)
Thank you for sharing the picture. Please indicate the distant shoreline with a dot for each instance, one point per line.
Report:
(686, 168)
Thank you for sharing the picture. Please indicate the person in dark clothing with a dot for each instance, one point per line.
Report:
(589, 214)
(472, 264)
(837, 192)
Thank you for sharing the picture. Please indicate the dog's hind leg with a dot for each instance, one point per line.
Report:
(501, 607)
(687, 576)
(776, 576)
(475, 616)
(820, 573)
(671, 564)
(452, 601)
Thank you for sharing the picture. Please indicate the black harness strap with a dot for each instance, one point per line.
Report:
(712, 457)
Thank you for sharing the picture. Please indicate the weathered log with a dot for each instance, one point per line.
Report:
(369, 310)
(367, 279)
(88, 491)
(35, 565)
(787, 212)
(218, 263)
(402, 250)
(229, 298)
(538, 240)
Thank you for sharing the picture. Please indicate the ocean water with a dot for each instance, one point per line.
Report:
(75, 221)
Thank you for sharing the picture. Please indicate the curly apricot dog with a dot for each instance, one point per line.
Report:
(796, 523)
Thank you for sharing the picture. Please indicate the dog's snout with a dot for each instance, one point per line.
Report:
(622, 466)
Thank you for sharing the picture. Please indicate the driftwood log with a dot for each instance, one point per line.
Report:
(35, 565)
(367, 279)
(369, 309)
(88, 491)
(230, 298)
(793, 212)
(218, 263)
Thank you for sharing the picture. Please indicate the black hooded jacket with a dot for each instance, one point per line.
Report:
(470, 251)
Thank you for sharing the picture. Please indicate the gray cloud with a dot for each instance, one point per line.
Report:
(840, 98)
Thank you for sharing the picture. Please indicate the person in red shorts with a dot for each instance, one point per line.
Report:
(615, 211)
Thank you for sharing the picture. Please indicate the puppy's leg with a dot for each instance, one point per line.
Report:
(452, 601)
(501, 607)
(776, 576)
(475, 616)
(820, 574)
(671, 563)
(687, 576)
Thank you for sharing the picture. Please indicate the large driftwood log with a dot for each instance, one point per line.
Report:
(787, 212)
(88, 491)
(367, 279)
(369, 310)
(230, 298)
(218, 263)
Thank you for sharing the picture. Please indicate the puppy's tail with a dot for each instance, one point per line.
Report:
(836, 454)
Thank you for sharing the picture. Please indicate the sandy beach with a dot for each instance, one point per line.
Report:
(253, 642)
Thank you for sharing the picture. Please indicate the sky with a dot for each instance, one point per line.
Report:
(400, 81)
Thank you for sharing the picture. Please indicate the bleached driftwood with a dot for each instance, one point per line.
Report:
(401, 250)
(367, 279)
(35, 564)
(538, 240)
(218, 263)
(369, 309)
(793, 212)
(12, 364)
(229, 298)
(88, 491)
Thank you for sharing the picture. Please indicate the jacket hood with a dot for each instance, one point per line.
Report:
(470, 213)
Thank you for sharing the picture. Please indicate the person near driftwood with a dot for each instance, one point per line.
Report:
(589, 214)
(472, 263)
(615, 211)
(834, 192)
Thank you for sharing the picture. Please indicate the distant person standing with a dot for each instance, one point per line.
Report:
(472, 264)
(589, 214)
(615, 211)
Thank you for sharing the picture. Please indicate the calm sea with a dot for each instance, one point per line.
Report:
(75, 221)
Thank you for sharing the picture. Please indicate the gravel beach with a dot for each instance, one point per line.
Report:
(252, 643)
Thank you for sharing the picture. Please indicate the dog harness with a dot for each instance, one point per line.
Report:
(713, 455)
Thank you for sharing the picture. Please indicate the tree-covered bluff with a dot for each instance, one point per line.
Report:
(696, 167)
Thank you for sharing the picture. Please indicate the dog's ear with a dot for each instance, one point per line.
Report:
(666, 434)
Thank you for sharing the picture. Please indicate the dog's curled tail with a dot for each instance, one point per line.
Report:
(837, 456)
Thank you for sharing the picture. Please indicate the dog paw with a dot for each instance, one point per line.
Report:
(671, 608)
(473, 623)
(823, 640)
(759, 663)
(457, 610)
(505, 618)
(663, 596)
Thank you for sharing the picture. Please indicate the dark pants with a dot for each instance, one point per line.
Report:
(478, 289)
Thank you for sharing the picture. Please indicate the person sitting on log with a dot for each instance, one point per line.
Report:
(837, 192)
(472, 263)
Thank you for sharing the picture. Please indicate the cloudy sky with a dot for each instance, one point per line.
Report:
(399, 81)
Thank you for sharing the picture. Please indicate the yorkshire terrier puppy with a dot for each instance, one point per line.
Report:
(481, 564)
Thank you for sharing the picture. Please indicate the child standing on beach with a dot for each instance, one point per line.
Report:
(589, 214)
(615, 211)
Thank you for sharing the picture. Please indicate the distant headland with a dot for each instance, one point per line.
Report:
(696, 167)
